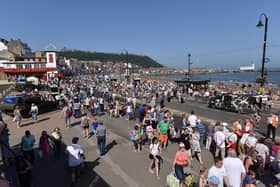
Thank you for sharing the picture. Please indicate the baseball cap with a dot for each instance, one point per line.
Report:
(214, 180)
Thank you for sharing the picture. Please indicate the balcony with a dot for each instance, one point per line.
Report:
(29, 70)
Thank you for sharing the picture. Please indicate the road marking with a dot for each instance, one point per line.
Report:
(94, 181)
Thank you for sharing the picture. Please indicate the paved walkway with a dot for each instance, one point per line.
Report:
(119, 167)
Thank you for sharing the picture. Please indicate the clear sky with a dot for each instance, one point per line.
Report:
(217, 33)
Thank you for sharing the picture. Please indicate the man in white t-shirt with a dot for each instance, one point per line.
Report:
(234, 168)
(75, 158)
(192, 119)
(219, 171)
(219, 138)
(241, 144)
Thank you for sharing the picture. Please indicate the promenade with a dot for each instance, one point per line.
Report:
(119, 167)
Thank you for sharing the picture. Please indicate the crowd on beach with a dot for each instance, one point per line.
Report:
(240, 157)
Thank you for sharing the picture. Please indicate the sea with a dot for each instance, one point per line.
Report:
(248, 77)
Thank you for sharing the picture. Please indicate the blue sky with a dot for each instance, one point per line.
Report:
(217, 33)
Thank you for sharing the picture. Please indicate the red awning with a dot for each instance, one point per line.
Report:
(31, 70)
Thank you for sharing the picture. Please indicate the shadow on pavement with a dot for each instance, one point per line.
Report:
(110, 145)
(34, 122)
(52, 171)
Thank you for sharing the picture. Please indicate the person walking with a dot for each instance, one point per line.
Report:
(56, 138)
(27, 143)
(34, 111)
(135, 138)
(181, 161)
(75, 159)
(219, 171)
(163, 127)
(101, 138)
(272, 123)
(219, 138)
(67, 113)
(24, 170)
(154, 151)
(44, 144)
(210, 133)
(202, 132)
(94, 125)
(234, 168)
(192, 119)
(85, 125)
(17, 116)
(195, 147)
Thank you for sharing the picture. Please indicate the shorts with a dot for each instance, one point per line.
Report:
(129, 114)
(86, 127)
(152, 157)
(163, 137)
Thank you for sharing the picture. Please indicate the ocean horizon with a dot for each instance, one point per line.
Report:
(250, 77)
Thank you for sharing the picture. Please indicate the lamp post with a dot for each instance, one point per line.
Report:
(189, 66)
(260, 24)
(127, 68)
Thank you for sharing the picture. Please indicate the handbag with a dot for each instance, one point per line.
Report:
(172, 181)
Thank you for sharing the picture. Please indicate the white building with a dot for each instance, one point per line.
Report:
(3, 46)
(248, 68)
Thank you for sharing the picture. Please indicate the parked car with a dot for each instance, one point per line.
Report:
(24, 102)
(234, 102)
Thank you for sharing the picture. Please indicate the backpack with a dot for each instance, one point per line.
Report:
(69, 112)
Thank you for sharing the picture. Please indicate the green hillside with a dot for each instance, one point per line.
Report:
(143, 61)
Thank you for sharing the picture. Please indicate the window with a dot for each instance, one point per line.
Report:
(36, 65)
(43, 65)
(19, 66)
(27, 66)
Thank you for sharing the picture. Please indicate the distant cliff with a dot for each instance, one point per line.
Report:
(140, 60)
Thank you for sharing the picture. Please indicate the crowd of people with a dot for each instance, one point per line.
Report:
(240, 157)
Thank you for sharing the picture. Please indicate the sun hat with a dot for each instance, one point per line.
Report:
(214, 180)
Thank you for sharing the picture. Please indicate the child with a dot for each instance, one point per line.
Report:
(155, 149)
(202, 177)
(135, 138)
(94, 125)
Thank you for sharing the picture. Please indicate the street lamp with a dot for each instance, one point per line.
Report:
(189, 66)
(127, 68)
(260, 24)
